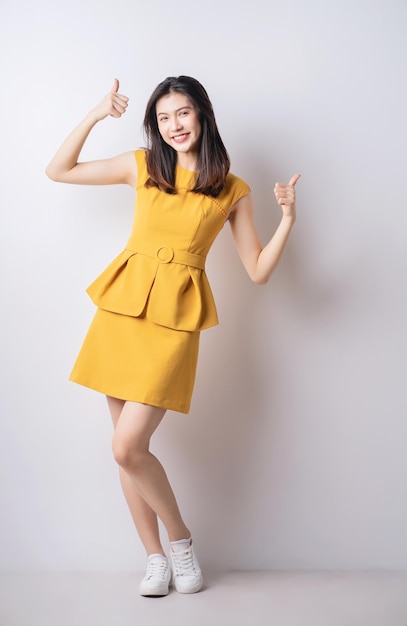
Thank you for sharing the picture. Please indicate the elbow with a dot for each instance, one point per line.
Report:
(257, 275)
(54, 173)
(260, 280)
(49, 173)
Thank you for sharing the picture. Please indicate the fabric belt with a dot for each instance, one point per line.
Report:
(166, 254)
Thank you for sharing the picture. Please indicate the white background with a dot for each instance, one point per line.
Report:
(294, 454)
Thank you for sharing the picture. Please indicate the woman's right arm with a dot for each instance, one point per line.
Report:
(64, 166)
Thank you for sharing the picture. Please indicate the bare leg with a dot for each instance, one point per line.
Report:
(145, 484)
(143, 515)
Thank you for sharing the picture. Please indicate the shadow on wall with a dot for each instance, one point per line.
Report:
(307, 278)
(210, 452)
(213, 454)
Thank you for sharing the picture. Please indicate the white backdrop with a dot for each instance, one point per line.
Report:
(293, 455)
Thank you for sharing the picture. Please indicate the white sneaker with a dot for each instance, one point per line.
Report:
(187, 573)
(158, 579)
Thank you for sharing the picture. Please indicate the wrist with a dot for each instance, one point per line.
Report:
(289, 220)
(92, 118)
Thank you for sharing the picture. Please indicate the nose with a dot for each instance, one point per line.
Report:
(176, 123)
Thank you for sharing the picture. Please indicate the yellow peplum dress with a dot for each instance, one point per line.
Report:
(154, 298)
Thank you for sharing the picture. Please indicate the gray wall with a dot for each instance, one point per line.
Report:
(293, 455)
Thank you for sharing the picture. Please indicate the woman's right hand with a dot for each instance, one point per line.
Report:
(64, 166)
(113, 104)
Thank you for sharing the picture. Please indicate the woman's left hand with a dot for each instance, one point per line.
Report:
(285, 196)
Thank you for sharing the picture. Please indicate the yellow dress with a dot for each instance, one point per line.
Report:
(154, 298)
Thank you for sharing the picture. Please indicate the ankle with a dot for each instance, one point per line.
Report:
(184, 535)
(156, 555)
(184, 541)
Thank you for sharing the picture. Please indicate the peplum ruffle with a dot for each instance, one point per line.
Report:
(168, 287)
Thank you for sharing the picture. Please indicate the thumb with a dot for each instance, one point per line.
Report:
(294, 179)
(115, 87)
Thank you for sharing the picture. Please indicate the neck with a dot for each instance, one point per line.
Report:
(187, 161)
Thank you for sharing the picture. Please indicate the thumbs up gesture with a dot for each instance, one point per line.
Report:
(113, 104)
(285, 196)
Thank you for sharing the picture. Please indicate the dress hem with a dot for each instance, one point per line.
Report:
(145, 400)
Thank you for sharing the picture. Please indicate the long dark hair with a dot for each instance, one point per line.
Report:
(213, 160)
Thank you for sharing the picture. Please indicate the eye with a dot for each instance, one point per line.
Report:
(184, 113)
(163, 119)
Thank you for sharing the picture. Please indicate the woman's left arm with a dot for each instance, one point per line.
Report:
(260, 262)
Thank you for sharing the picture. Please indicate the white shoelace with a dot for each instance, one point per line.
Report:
(157, 568)
(184, 563)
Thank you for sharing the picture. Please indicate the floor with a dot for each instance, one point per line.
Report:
(228, 599)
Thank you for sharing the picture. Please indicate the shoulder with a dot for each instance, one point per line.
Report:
(234, 189)
(140, 155)
(141, 160)
(236, 183)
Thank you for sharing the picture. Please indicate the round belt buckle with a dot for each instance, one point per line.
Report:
(165, 254)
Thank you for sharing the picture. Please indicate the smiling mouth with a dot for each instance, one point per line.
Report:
(180, 138)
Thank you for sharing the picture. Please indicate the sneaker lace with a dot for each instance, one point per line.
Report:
(156, 569)
(184, 563)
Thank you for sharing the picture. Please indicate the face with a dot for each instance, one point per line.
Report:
(178, 123)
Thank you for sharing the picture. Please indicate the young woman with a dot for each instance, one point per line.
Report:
(154, 298)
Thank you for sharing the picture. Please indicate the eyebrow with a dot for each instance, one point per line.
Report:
(187, 106)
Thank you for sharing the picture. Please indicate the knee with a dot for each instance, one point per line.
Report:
(126, 454)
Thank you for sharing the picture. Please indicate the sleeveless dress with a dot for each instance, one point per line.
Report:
(154, 298)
